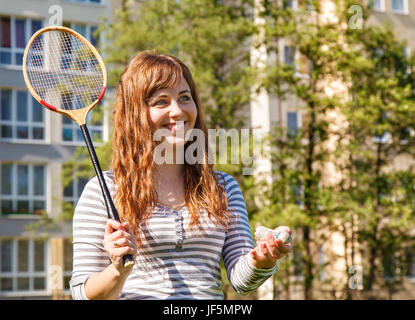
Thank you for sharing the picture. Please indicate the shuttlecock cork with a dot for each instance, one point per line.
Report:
(284, 236)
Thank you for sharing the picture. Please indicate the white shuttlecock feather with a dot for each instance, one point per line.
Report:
(261, 233)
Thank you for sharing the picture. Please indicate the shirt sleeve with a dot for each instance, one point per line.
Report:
(89, 255)
(242, 275)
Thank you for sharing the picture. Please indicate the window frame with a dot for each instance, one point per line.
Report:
(14, 274)
(405, 8)
(298, 120)
(101, 3)
(29, 123)
(75, 190)
(382, 7)
(13, 50)
(30, 197)
(294, 5)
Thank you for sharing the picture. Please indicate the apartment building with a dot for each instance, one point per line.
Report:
(34, 145)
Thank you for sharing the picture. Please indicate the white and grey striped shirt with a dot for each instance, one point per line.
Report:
(175, 262)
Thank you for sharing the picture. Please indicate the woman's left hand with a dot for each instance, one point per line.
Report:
(268, 251)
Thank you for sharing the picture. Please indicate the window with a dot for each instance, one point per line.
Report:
(70, 130)
(289, 55)
(67, 262)
(298, 263)
(23, 188)
(309, 5)
(14, 34)
(73, 190)
(292, 4)
(410, 261)
(379, 5)
(292, 122)
(69, 53)
(72, 133)
(22, 117)
(23, 265)
(296, 192)
(400, 6)
(88, 31)
(321, 263)
(390, 264)
(88, 1)
(383, 139)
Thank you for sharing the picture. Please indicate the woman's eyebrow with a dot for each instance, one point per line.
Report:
(162, 95)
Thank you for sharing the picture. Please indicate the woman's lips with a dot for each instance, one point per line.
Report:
(175, 127)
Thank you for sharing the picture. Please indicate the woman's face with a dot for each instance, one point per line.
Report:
(174, 111)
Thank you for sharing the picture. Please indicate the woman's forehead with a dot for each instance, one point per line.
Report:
(180, 86)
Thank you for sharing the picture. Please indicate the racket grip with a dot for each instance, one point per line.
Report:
(128, 261)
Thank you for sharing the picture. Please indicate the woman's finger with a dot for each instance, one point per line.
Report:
(284, 248)
(122, 251)
(256, 255)
(111, 226)
(266, 251)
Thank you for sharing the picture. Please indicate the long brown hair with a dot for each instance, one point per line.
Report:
(133, 145)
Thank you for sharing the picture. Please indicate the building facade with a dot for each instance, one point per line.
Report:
(34, 145)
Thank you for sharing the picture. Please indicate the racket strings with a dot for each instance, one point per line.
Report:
(64, 71)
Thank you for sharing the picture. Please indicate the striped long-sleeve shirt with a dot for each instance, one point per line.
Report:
(175, 261)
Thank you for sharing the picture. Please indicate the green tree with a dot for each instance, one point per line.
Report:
(381, 131)
(297, 195)
(209, 36)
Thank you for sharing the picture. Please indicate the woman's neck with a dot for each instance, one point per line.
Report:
(168, 172)
(169, 184)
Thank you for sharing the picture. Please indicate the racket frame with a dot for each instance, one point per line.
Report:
(77, 115)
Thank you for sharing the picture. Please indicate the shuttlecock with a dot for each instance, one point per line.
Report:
(261, 233)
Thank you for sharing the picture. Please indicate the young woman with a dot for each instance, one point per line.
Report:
(179, 219)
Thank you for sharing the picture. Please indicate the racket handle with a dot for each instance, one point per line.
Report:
(128, 261)
(111, 210)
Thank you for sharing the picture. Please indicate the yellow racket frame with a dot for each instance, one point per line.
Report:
(78, 115)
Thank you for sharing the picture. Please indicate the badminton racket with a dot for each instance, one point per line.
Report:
(65, 73)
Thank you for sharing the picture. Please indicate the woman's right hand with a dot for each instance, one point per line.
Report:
(119, 241)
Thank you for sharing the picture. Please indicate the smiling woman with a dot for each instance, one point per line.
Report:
(179, 218)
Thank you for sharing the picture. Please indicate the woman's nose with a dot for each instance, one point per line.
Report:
(175, 109)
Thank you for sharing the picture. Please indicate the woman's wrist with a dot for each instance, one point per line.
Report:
(106, 284)
(117, 273)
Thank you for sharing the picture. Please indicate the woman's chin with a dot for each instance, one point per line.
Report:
(175, 141)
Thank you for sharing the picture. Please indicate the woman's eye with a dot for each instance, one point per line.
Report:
(160, 103)
(185, 98)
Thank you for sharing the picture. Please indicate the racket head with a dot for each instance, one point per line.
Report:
(64, 72)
